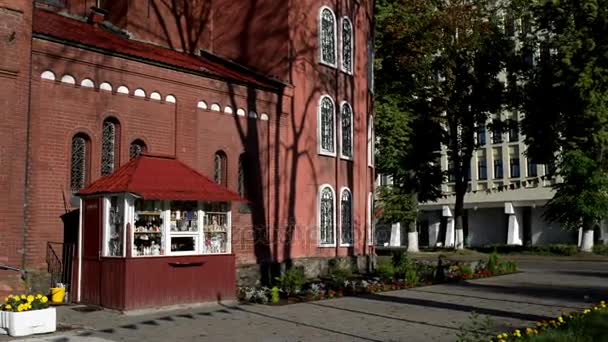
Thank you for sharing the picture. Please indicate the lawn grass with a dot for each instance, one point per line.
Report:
(588, 326)
(592, 327)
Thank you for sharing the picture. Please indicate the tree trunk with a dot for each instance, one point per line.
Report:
(458, 212)
(587, 238)
(412, 237)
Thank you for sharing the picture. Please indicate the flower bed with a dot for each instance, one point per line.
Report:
(401, 273)
(588, 325)
(26, 315)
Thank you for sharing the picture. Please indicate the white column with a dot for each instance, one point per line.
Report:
(395, 235)
(449, 230)
(514, 234)
(587, 243)
(434, 226)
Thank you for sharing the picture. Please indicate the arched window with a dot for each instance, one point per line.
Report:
(79, 163)
(347, 45)
(326, 216)
(327, 36)
(220, 168)
(346, 217)
(346, 116)
(110, 141)
(137, 148)
(242, 188)
(326, 126)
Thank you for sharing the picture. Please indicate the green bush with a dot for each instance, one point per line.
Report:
(493, 263)
(466, 269)
(292, 281)
(600, 249)
(510, 267)
(385, 270)
(338, 277)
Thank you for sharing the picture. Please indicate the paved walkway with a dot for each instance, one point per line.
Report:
(432, 313)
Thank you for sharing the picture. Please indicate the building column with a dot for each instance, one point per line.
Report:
(514, 234)
(395, 235)
(449, 229)
(434, 226)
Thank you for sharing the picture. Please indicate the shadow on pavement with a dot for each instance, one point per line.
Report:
(497, 299)
(563, 293)
(455, 307)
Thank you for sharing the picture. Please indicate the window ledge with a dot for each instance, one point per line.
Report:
(327, 154)
(329, 65)
(333, 245)
(346, 158)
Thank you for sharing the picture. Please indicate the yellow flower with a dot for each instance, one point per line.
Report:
(20, 308)
(586, 311)
(517, 333)
(44, 299)
(560, 319)
(30, 298)
(38, 296)
(23, 296)
(8, 307)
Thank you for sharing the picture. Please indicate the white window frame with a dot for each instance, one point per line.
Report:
(352, 46)
(320, 127)
(352, 226)
(319, 38)
(352, 123)
(370, 141)
(319, 195)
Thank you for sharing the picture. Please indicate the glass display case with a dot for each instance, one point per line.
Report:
(164, 228)
(148, 237)
(114, 236)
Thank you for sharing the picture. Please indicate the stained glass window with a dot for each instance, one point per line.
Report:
(327, 113)
(326, 212)
(327, 37)
(108, 147)
(78, 165)
(347, 45)
(347, 130)
(346, 218)
(219, 172)
(136, 149)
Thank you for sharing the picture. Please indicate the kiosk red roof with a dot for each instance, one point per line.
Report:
(161, 178)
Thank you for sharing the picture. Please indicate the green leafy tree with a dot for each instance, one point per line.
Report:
(565, 98)
(439, 73)
(402, 39)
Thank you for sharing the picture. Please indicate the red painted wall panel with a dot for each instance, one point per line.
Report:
(162, 281)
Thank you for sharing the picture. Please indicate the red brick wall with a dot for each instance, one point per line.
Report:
(289, 168)
(15, 34)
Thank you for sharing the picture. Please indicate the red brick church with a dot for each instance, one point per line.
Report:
(269, 99)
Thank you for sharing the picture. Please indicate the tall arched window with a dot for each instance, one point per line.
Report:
(346, 116)
(110, 140)
(326, 126)
(220, 168)
(347, 45)
(327, 216)
(137, 148)
(327, 36)
(79, 163)
(346, 217)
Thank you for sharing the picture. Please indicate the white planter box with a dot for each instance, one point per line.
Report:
(29, 322)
